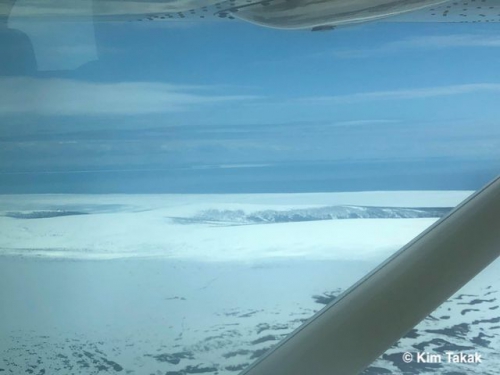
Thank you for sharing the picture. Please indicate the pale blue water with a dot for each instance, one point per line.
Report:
(282, 178)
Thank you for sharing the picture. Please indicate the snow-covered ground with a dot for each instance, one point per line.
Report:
(187, 284)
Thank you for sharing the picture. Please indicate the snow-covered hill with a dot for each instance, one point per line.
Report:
(240, 217)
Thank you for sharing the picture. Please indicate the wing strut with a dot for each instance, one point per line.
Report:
(350, 333)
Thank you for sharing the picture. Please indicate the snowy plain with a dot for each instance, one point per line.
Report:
(117, 226)
(205, 284)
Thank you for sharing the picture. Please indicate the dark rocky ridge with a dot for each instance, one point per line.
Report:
(240, 217)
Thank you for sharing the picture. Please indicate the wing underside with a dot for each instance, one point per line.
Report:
(317, 13)
(465, 11)
(286, 14)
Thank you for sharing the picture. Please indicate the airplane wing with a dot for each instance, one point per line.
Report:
(321, 14)
(284, 14)
(465, 11)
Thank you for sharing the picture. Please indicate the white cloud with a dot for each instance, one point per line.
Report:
(449, 41)
(365, 122)
(424, 42)
(421, 93)
(70, 97)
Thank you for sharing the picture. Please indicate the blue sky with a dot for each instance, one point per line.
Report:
(170, 95)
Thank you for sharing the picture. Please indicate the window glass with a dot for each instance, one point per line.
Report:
(178, 196)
